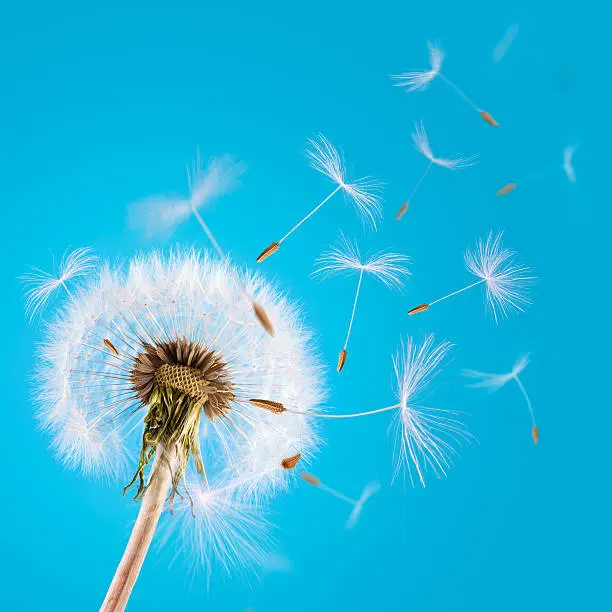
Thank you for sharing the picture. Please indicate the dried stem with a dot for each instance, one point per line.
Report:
(142, 533)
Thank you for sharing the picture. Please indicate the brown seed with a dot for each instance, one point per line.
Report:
(506, 189)
(111, 347)
(535, 434)
(290, 462)
(263, 319)
(269, 405)
(269, 250)
(341, 359)
(310, 479)
(488, 118)
(419, 308)
(402, 211)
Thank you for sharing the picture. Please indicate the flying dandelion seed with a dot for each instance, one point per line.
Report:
(495, 266)
(420, 80)
(505, 43)
(368, 491)
(494, 382)
(161, 215)
(41, 285)
(139, 359)
(363, 194)
(426, 436)
(389, 268)
(567, 166)
(421, 143)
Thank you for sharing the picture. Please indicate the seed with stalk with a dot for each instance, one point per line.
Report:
(141, 361)
(420, 80)
(421, 143)
(363, 194)
(161, 215)
(506, 281)
(567, 166)
(389, 268)
(357, 504)
(494, 382)
(427, 436)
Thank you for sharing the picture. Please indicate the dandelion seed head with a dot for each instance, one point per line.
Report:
(41, 285)
(391, 269)
(185, 344)
(568, 168)
(426, 436)
(363, 194)
(421, 143)
(507, 282)
(420, 79)
(160, 216)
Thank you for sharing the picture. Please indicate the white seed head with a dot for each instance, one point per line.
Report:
(426, 434)
(389, 268)
(421, 143)
(507, 282)
(363, 194)
(161, 215)
(420, 79)
(41, 285)
(568, 168)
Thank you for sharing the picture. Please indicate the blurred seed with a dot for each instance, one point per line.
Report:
(341, 359)
(269, 250)
(269, 405)
(488, 118)
(535, 434)
(402, 211)
(263, 319)
(290, 462)
(419, 308)
(111, 347)
(310, 479)
(506, 189)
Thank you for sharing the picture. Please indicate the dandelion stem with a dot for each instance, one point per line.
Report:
(524, 392)
(322, 415)
(458, 291)
(312, 212)
(151, 508)
(354, 308)
(453, 86)
(420, 181)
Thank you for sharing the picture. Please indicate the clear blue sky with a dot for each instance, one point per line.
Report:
(104, 104)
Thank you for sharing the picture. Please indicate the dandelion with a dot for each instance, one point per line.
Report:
(426, 436)
(506, 281)
(363, 194)
(357, 504)
(161, 215)
(493, 382)
(41, 285)
(421, 143)
(420, 80)
(150, 367)
(388, 268)
(567, 167)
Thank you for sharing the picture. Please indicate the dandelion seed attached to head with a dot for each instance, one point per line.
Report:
(420, 80)
(162, 215)
(357, 504)
(363, 194)
(427, 436)
(41, 285)
(421, 143)
(506, 281)
(391, 269)
(493, 382)
(567, 167)
(143, 358)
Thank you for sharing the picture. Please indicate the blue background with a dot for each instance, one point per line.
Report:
(102, 105)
